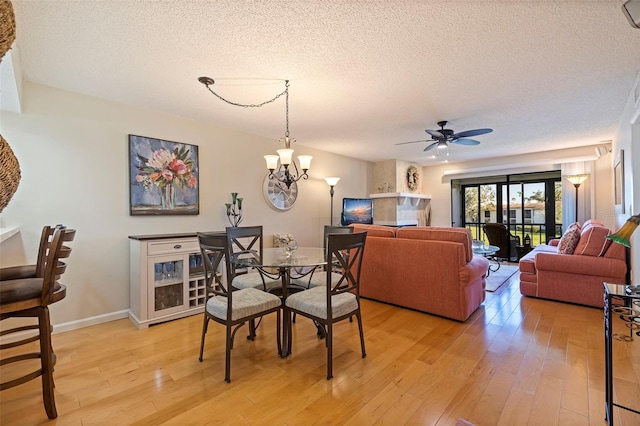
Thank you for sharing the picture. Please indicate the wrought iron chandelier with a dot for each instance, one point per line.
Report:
(283, 173)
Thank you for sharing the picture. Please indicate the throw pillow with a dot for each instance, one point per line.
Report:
(569, 239)
(593, 241)
(592, 222)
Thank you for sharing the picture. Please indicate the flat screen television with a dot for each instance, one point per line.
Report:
(357, 210)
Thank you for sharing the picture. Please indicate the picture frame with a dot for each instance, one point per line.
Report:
(163, 177)
(618, 184)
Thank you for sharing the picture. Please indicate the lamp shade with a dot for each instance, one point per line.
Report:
(332, 181)
(305, 161)
(577, 180)
(272, 161)
(285, 156)
(623, 236)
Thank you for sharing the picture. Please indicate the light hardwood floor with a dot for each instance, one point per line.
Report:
(516, 361)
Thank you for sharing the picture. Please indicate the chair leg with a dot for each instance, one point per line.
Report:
(329, 351)
(227, 361)
(278, 333)
(205, 326)
(359, 318)
(252, 330)
(46, 361)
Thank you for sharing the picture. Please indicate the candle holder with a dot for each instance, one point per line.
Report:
(234, 209)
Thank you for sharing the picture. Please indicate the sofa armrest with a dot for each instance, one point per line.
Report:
(473, 270)
(17, 272)
(554, 242)
(580, 265)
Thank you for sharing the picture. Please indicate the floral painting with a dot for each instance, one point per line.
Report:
(163, 177)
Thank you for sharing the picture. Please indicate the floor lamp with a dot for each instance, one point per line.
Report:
(332, 181)
(577, 180)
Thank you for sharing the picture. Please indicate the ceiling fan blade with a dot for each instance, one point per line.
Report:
(433, 145)
(474, 132)
(435, 134)
(404, 143)
(469, 142)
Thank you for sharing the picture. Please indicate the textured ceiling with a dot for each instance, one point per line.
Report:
(364, 75)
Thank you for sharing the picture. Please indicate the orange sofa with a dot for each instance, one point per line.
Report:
(576, 275)
(430, 269)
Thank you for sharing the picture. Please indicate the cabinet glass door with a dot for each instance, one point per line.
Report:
(168, 290)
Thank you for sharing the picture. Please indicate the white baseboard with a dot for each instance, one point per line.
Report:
(68, 326)
(86, 322)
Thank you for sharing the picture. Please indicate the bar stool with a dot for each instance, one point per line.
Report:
(27, 291)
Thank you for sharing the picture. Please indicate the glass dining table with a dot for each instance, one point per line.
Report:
(278, 262)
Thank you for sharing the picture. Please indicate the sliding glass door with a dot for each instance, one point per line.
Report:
(530, 205)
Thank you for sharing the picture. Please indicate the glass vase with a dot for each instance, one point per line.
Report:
(168, 197)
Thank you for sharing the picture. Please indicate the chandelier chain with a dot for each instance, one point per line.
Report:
(283, 173)
(285, 91)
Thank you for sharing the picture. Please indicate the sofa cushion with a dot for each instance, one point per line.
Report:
(438, 233)
(375, 230)
(569, 239)
(592, 222)
(527, 263)
(593, 241)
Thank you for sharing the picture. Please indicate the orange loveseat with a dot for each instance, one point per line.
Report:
(430, 269)
(575, 276)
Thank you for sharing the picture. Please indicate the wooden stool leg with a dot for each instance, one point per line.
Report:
(46, 361)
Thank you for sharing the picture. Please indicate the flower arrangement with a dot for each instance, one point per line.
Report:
(286, 241)
(165, 170)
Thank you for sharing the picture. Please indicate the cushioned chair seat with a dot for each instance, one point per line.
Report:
(255, 280)
(314, 302)
(22, 290)
(318, 279)
(245, 303)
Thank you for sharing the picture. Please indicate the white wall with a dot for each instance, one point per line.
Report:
(628, 139)
(73, 153)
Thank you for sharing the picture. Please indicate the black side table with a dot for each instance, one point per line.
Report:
(522, 250)
(625, 305)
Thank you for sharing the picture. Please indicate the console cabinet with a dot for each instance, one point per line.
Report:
(166, 278)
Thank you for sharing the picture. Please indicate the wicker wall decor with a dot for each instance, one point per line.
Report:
(9, 173)
(9, 166)
(7, 26)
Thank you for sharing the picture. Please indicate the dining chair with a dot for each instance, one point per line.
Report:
(29, 296)
(247, 241)
(226, 305)
(339, 298)
(318, 277)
